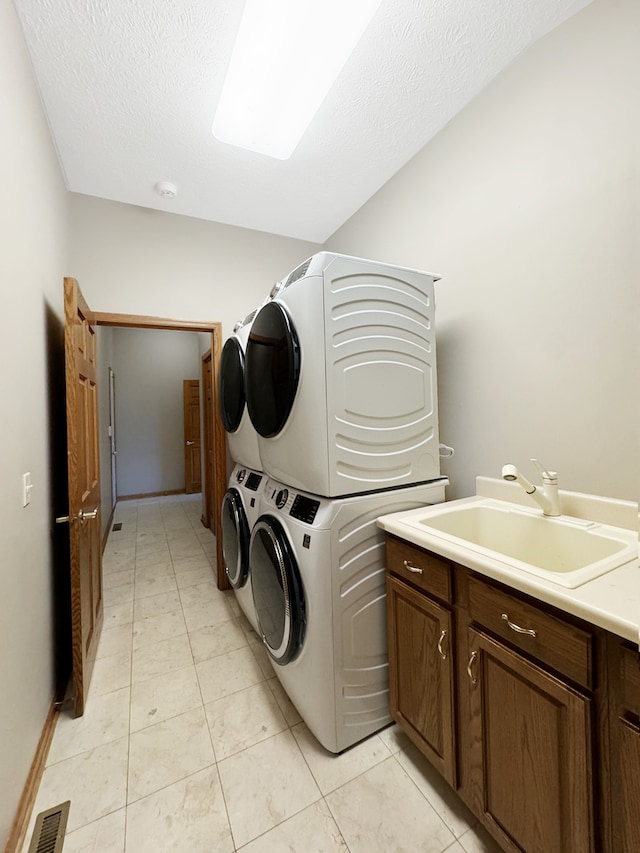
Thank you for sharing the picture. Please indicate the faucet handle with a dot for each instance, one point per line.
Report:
(546, 475)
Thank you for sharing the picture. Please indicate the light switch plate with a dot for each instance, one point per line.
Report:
(27, 487)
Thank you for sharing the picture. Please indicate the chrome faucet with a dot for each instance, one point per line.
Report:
(547, 497)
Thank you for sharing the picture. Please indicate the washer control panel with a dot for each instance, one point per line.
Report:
(253, 481)
(304, 509)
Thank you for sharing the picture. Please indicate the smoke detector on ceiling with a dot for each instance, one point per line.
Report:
(166, 189)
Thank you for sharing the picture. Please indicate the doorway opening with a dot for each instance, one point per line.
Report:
(214, 482)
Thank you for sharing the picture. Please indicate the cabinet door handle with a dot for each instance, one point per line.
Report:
(517, 628)
(443, 654)
(411, 568)
(472, 659)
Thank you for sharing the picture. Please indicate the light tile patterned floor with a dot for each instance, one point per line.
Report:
(190, 744)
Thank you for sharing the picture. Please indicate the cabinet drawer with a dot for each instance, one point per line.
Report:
(559, 644)
(630, 666)
(420, 568)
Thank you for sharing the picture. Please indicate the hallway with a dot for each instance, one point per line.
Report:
(189, 743)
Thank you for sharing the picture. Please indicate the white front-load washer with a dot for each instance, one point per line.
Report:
(318, 579)
(241, 434)
(240, 509)
(340, 377)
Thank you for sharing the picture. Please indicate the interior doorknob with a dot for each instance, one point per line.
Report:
(189, 443)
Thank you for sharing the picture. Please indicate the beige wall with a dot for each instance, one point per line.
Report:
(33, 224)
(131, 260)
(525, 205)
(150, 367)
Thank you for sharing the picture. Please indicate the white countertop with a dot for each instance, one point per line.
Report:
(611, 601)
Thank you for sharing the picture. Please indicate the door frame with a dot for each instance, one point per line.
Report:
(112, 443)
(209, 517)
(139, 321)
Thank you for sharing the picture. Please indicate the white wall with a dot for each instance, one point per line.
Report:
(33, 224)
(150, 367)
(131, 260)
(526, 204)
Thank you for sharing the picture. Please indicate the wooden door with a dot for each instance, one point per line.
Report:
(84, 488)
(421, 673)
(192, 465)
(209, 519)
(530, 737)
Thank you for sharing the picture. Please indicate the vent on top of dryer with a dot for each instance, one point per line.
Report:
(250, 317)
(297, 273)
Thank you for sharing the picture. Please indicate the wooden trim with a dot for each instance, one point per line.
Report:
(219, 457)
(166, 493)
(107, 529)
(137, 321)
(30, 790)
(208, 473)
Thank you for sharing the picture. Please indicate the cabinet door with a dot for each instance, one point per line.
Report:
(625, 738)
(421, 673)
(530, 737)
(629, 791)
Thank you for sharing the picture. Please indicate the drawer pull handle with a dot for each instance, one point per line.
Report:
(517, 628)
(472, 659)
(443, 654)
(411, 568)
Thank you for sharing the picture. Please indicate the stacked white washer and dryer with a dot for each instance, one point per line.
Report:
(340, 386)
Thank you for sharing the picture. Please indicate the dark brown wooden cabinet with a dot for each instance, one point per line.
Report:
(421, 678)
(531, 714)
(530, 745)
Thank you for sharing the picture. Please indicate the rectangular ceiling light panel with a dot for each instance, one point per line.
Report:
(287, 55)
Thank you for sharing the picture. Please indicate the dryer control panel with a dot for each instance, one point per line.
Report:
(304, 509)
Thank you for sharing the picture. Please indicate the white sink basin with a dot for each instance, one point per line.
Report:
(565, 550)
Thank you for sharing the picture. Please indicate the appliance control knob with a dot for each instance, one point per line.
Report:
(241, 475)
(281, 498)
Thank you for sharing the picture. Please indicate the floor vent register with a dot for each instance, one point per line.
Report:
(48, 834)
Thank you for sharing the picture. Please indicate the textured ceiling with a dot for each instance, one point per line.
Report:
(130, 88)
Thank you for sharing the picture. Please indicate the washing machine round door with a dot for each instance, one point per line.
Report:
(235, 539)
(231, 382)
(278, 595)
(272, 369)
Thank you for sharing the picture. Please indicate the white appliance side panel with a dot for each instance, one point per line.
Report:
(298, 454)
(360, 609)
(243, 444)
(381, 377)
